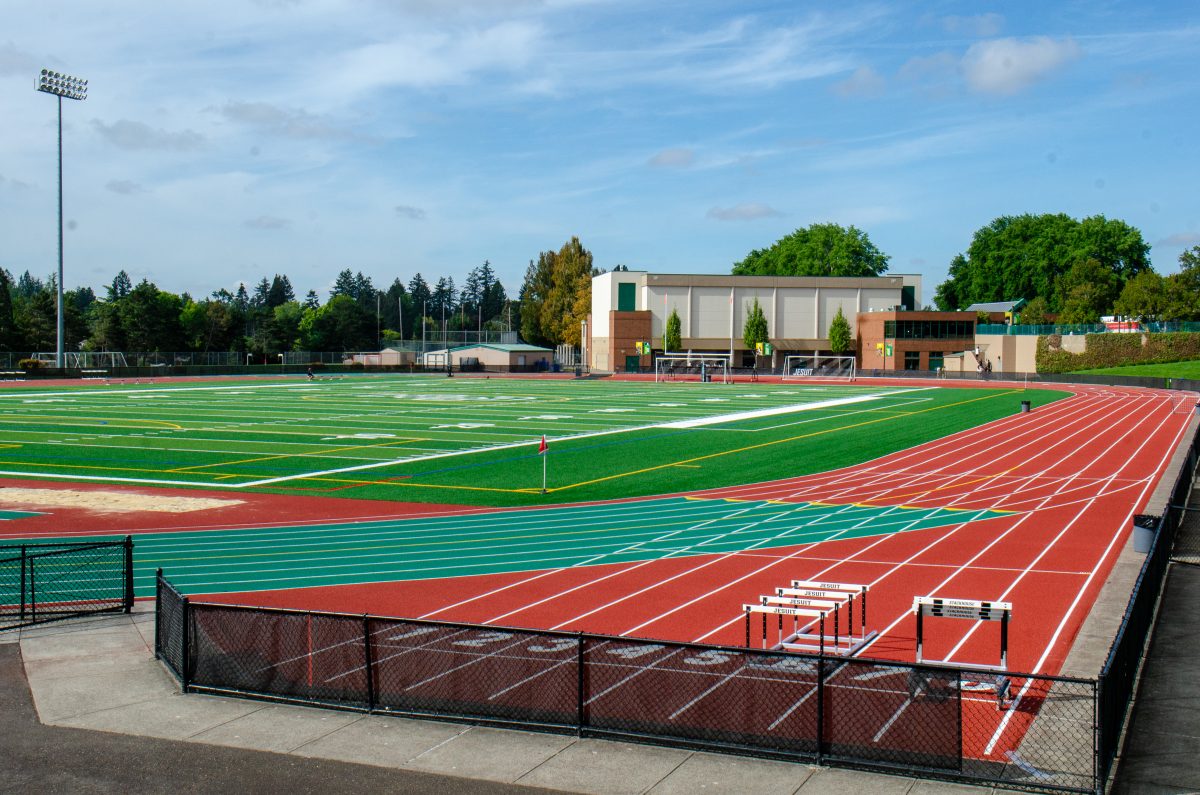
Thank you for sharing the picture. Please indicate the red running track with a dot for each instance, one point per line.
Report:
(1073, 473)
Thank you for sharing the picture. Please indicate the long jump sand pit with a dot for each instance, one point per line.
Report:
(108, 501)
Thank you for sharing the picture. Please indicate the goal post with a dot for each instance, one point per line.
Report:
(800, 367)
(693, 367)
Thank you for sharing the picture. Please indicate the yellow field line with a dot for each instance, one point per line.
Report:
(953, 485)
(776, 442)
(293, 455)
(73, 421)
(101, 470)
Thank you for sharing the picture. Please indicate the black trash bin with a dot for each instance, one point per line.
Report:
(1025, 407)
(1144, 526)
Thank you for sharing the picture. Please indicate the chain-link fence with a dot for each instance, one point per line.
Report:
(1034, 732)
(170, 627)
(1118, 679)
(52, 581)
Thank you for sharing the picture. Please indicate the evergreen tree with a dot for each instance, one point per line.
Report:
(673, 336)
(120, 287)
(343, 285)
(841, 339)
(755, 329)
(8, 327)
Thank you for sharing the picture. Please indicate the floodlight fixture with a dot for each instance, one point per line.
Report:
(62, 85)
(69, 87)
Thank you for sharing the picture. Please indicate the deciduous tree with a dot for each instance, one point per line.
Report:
(817, 250)
(1027, 255)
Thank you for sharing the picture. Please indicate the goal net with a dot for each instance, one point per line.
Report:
(697, 367)
(799, 368)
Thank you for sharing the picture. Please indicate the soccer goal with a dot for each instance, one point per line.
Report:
(800, 368)
(693, 367)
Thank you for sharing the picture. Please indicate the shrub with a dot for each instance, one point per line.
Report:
(1114, 350)
(29, 364)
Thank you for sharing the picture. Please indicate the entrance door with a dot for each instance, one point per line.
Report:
(633, 364)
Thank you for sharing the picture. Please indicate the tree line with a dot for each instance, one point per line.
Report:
(265, 319)
(1068, 270)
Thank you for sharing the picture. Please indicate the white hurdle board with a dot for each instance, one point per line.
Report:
(971, 610)
(815, 601)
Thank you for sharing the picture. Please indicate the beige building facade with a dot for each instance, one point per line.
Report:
(633, 306)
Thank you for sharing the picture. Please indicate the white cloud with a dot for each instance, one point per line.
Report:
(288, 123)
(981, 25)
(934, 73)
(864, 82)
(433, 59)
(1184, 239)
(125, 134)
(1007, 66)
(17, 62)
(268, 222)
(673, 158)
(124, 186)
(748, 211)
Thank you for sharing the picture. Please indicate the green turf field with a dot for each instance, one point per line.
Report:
(472, 440)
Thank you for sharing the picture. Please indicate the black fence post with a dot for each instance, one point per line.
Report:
(186, 652)
(1099, 769)
(580, 717)
(23, 556)
(820, 709)
(129, 574)
(32, 590)
(158, 613)
(367, 659)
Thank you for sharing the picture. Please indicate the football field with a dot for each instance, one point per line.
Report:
(470, 440)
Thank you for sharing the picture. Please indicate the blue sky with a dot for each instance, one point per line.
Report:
(225, 141)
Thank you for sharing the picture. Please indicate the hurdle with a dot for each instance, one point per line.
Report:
(973, 610)
(817, 601)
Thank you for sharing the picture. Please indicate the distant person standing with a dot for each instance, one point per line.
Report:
(311, 377)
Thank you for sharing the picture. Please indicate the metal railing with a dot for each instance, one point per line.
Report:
(53, 581)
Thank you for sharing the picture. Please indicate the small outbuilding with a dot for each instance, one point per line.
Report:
(508, 357)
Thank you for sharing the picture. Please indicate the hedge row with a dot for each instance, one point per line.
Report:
(1113, 350)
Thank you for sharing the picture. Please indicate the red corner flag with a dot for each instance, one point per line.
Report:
(543, 447)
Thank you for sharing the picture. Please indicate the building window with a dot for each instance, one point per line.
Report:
(936, 362)
(928, 329)
(626, 297)
(912, 360)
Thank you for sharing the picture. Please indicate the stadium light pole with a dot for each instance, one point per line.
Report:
(61, 86)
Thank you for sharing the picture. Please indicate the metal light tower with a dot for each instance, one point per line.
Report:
(61, 85)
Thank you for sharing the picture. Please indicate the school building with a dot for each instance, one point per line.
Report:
(629, 307)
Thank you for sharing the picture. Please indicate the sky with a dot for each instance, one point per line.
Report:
(230, 140)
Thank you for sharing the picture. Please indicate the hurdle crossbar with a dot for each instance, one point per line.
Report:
(972, 610)
(789, 643)
(852, 590)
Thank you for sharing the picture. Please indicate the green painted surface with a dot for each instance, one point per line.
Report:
(508, 541)
(4, 515)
